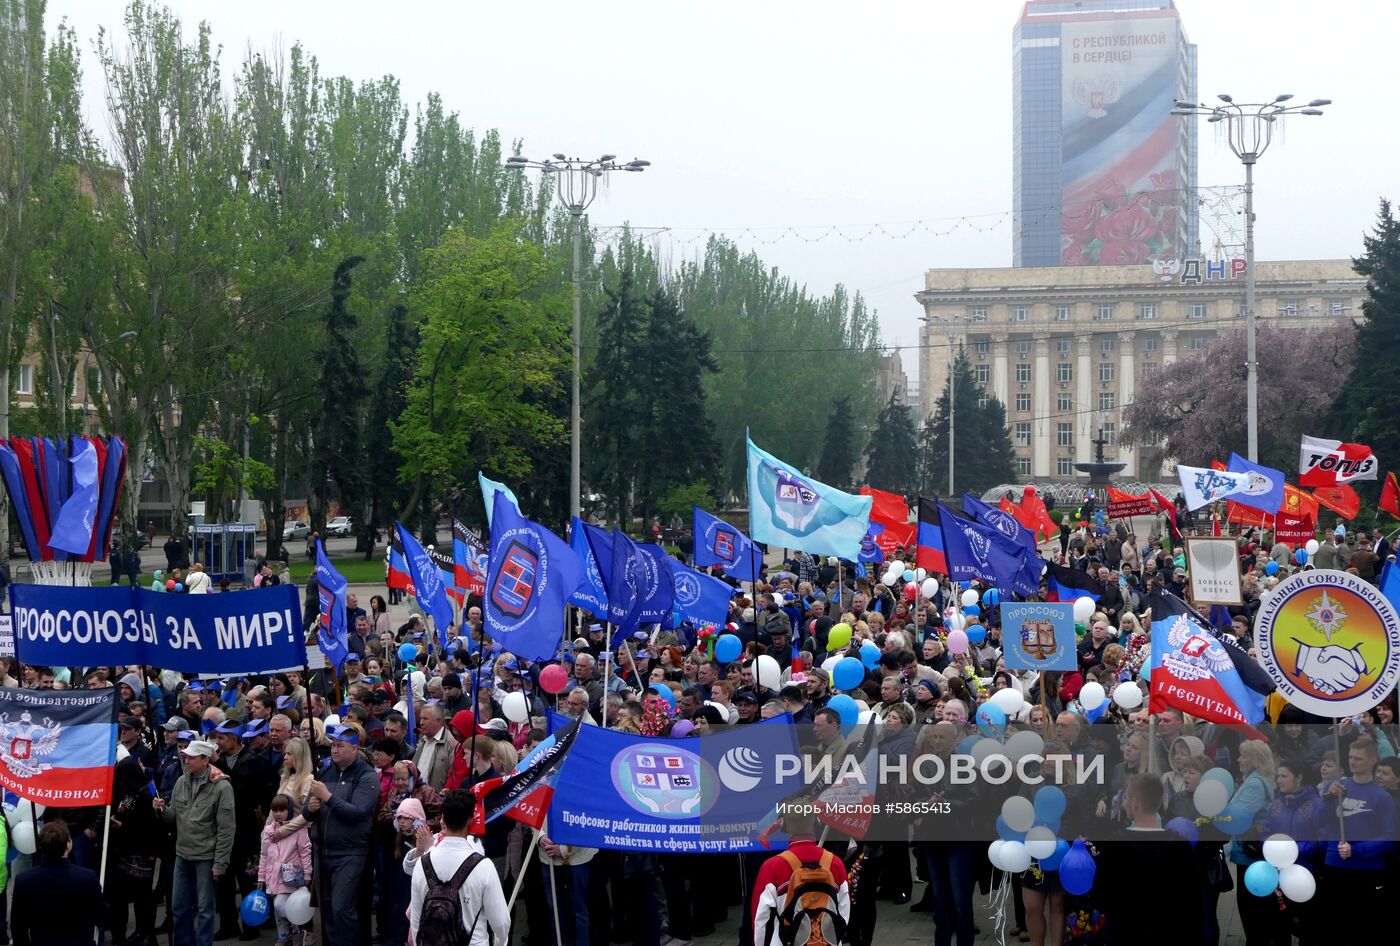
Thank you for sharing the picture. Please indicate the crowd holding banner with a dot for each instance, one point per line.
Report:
(602, 729)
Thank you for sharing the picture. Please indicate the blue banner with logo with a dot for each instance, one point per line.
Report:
(592, 595)
(704, 794)
(428, 586)
(719, 543)
(332, 626)
(797, 512)
(531, 576)
(700, 599)
(1038, 635)
(1264, 491)
(240, 632)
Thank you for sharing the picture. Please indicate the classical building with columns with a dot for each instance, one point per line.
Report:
(1066, 348)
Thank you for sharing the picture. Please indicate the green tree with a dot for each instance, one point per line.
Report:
(387, 404)
(892, 455)
(1367, 408)
(839, 451)
(338, 471)
(983, 454)
(221, 475)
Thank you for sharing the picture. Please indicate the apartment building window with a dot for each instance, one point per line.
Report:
(1108, 401)
(1337, 308)
(1023, 402)
(1109, 429)
(1062, 346)
(24, 380)
(1023, 372)
(1104, 313)
(1198, 342)
(1062, 313)
(1196, 310)
(1023, 434)
(1064, 466)
(983, 401)
(983, 373)
(1288, 308)
(1064, 403)
(1023, 466)
(1020, 313)
(1149, 344)
(1064, 435)
(1106, 371)
(1064, 371)
(1023, 348)
(979, 348)
(977, 312)
(1106, 344)
(1148, 367)
(1148, 310)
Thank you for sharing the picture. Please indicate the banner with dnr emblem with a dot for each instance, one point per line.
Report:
(1214, 567)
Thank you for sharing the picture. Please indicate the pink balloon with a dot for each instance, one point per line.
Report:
(957, 642)
(554, 678)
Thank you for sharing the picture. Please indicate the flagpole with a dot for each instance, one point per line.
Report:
(554, 902)
(524, 869)
(1337, 748)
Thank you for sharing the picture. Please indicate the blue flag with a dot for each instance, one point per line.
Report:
(1264, 491)
(869, 550)
(796, 512)
(624, 575)
(660, 594)
(700, 599)
(411, 736)
(73, 530)
(332, 633)
(592, 595)
(719, 543)
(998, 519)
(976, 552)
(489, 489)
(531, 576)
(428, 586)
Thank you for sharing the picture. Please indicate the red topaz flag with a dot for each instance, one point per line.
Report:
(1331, 462)
(1390, 496)
(58, 747)
(1342, 500)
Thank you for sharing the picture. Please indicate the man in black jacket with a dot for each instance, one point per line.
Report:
(342, 804)
(56, 901)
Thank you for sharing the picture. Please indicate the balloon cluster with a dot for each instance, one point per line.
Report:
(1026, 831)
(1279, 870)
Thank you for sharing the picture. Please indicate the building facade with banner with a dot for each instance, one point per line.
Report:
(1102, 172)
(1066, 348)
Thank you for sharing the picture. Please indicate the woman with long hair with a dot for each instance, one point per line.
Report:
(135, 844)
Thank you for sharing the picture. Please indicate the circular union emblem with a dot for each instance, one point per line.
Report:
(664, 780)
(1330, 641)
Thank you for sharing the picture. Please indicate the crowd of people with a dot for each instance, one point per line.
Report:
(309, 781)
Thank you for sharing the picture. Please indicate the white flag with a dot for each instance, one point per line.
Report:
(1202, 486)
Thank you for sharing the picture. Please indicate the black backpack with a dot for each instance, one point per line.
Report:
(440, 922)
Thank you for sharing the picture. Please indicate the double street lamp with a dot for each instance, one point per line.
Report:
(1250, 131)
(576, 181)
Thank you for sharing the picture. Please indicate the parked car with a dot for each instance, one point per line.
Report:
(340, 526)
(295, 530)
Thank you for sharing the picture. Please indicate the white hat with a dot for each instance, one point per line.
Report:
(199, 747)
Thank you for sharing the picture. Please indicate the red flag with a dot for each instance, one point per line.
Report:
(1340, 499)
(1034, 515)
(887, 508)
(1298, 503)
(1390, 496)
(1123, 505)
(1249, 516)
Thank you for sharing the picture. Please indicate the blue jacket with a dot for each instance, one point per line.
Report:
(1370, 823)
(1300, 817)
(1254, 796)
(343, 823)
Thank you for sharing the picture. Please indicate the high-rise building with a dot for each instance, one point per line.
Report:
(1103, 173)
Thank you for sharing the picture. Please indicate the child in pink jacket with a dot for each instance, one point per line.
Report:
(285, 865)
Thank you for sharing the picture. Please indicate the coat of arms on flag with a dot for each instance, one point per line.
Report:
(515, 582)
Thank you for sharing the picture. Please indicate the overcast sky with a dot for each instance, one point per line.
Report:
(768, 115)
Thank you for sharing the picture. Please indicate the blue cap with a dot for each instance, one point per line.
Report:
(256, 727)
(195, 686)
(510, 663)
(350, 657)
(206, 726)
(187, 735)
(229, 728)
(343, 734)
(286, 702)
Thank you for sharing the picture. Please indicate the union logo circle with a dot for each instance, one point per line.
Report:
(1330, 641)
(664, 781)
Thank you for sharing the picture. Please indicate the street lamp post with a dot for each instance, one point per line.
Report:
(577, 183)
(951, 322)
(1250, 128)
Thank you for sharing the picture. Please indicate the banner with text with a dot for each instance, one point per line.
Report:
(239, 632)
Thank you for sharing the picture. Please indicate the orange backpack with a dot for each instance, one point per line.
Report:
(811, 896)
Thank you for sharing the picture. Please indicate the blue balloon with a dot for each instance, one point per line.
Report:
(408, 653)
(664, 692)
(991, 597)
(1235, 821)
(870, 655)
(254, 909)
(991, 720)
(976, 634)
(1050, 803)
(1186, 828)
(1077, 869)
(1006, 833)
(846, 708)
(1222, 776)
(1053, 861)
(908, 574)
(728, 648)
(971, 610)
(1145, 673)
(1261, 878)
(1271, 567)
(1301, 557)
(848, 673)
(965, 747)
(1053, 824)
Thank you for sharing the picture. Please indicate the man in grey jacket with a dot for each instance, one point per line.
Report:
(342, 804)
(201, 812)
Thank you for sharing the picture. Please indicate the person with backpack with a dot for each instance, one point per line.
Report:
(456, 901)
(801, 895)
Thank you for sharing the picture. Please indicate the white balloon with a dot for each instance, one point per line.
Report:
(22, 837)
(1024, 743)
(1018, 813)
(1040, 841)
(1009, 700)
(969, 598)
(1280, 850)
(1092, 695)
(891, 577)
(767, 672)
(930, 588)
(18, 815)
(829, 664)
(920, 574)
(1211, 798)
(1297, 883)
(1083, 609)
(331, 720)
(1014, 857)
(994, 852)
(298, 907)
(985, 748)
(956, 622)
(1311, 547)
(865, 716)
(897, 567)
(515, 707)
(1127, 695)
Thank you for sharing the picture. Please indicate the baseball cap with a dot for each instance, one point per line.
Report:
(595, 628)
(510, 663)
(198, 747)
(379, 696)
(343, 734)
(256, 727)
(352, 658)
(195, 686)
(187, 735)
(132, 722)
(286, 702)
(746, 696)
(229, 728)
(640, 636)
(175, 724)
